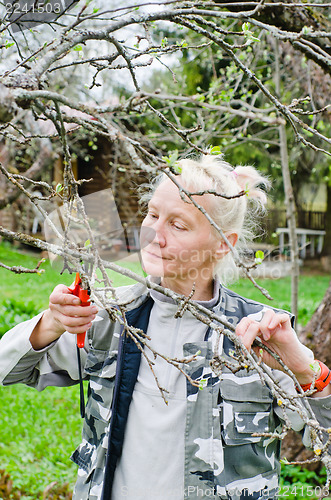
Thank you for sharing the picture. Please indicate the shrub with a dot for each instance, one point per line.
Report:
(299, 482)
(13, 311)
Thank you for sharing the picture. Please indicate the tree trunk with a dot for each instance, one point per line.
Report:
(317, 336)
(289, 199)
(326, 254)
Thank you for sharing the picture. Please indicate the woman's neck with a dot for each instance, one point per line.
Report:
(203, 290)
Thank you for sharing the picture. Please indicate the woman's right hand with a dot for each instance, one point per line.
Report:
(67, 312)
(64, 314)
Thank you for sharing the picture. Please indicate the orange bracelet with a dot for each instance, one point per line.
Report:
(322, 381)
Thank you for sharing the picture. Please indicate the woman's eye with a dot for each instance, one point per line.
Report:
(179, 227)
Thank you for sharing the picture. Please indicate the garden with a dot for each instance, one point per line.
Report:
(99, 97)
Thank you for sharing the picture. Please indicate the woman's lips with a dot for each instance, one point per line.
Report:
(155, 255)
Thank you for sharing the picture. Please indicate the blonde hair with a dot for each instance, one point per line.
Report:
(235, 215)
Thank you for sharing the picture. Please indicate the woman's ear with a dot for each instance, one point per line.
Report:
(223, 248)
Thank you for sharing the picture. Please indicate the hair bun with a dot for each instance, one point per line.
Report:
(248, 179)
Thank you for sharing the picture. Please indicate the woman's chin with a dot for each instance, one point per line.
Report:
(151, 267)
(154, 271)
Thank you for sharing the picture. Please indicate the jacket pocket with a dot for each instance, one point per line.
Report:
(85, 457)
(101, 363)
(246, 410)
(90, 471)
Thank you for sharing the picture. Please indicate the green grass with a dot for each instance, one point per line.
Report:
(311, 291)
(39, 431)
(28, 287)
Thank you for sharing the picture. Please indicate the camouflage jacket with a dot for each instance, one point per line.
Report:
(222, 457)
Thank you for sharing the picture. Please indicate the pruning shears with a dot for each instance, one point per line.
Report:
(84, 296)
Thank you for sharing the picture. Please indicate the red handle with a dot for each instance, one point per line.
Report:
(84, 296)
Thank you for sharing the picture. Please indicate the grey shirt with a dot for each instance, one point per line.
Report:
(154, 436)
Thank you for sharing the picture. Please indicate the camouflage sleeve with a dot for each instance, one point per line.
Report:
(321, 408)
(55, 365)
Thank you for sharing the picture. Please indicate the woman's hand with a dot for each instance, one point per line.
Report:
(67, 312)
(276, 332)
(64, 314)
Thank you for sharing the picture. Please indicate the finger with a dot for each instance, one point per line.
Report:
(265, 324)
(250, 335)
(62, 295)
(76, 325)
(242, 326)
(77, 311)
(280, 319)
(79, 329)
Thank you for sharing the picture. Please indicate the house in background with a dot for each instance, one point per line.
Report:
(98, 160)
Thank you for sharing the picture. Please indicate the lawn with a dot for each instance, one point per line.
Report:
(40, 430)
(312, 287)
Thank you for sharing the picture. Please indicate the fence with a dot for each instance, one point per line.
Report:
(305, 219)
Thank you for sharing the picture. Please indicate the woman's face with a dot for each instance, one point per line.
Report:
(177, 240)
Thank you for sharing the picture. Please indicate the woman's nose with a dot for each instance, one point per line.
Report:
(159, 237)
(153, 234)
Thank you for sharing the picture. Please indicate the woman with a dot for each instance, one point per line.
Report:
(202, 444)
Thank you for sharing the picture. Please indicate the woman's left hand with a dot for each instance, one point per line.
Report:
(276, 332)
